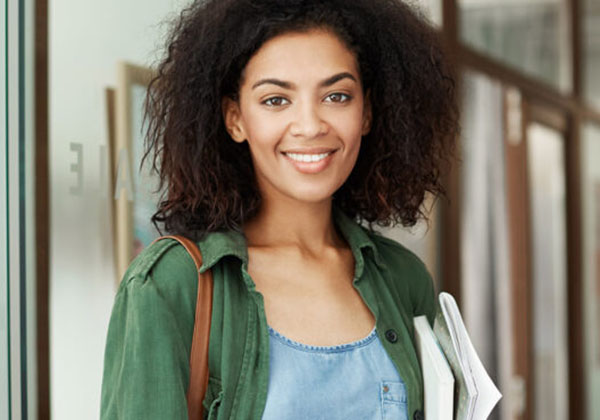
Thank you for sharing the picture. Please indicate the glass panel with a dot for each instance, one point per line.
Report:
(531, 36)
(484, 249)
(27, 187)
(18, 274)
(590, 159)
(545, 154)
(590, 19)
(90, 43)
(4, 327)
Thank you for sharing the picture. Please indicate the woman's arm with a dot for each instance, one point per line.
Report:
(146, 360)
(145, 374)
(426, 304)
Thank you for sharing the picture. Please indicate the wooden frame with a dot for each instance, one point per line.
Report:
(450, 253)
(517, 184)
(42, 212)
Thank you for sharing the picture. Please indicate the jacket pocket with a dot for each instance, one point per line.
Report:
(212, 399)
(393, 400)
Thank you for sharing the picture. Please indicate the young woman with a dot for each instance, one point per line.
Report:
(277, 126)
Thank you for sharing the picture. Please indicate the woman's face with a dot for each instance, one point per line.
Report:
(302, 111)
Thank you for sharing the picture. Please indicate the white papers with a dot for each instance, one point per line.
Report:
(476, 393)
(439, 382)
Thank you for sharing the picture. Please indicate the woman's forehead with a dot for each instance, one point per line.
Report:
(304, 57)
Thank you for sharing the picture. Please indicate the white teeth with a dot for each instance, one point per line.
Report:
(302, 157)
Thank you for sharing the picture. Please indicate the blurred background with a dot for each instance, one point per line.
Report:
(517, 243)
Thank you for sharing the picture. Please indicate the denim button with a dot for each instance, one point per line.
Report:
(418, 415)
(391, 336)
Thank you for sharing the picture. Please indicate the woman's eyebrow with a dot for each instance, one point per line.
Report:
(289, 85)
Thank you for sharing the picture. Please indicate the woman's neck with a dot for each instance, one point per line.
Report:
(288, 223)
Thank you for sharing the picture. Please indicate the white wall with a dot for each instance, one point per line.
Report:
(86, 39)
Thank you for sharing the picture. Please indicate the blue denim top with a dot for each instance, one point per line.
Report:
(355, 380)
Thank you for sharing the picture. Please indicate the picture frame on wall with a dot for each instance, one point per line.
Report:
(135, 187)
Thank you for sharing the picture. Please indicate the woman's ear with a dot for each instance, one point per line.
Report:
(367, 114)
(232, 119)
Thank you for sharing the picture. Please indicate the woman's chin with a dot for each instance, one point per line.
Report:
(310, 196)
(301, 190)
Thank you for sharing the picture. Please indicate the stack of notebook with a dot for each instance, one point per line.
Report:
(457, 386)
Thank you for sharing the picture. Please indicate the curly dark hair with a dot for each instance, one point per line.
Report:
(210, 178)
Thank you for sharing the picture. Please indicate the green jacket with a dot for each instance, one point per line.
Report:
(146, 361)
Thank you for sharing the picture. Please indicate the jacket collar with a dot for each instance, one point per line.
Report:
(216, 245)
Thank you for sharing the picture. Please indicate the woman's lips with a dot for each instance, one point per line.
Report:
(310, 163)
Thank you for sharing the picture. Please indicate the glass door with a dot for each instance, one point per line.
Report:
(590, 165)
(548, 306)
(536, 151)
(4, 325)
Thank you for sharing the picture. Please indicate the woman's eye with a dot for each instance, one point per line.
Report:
(274, 101)
(338, 97)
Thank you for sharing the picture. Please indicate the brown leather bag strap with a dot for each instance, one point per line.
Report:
(199, 352)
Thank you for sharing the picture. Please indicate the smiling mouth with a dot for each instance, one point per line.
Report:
(308, 157)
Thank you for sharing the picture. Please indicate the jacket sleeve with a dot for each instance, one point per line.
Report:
(425, 304)
(146, 359)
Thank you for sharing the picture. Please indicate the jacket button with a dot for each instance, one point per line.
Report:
(391, 336)
(418, 415)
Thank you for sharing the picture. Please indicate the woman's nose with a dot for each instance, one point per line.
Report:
(308, 122)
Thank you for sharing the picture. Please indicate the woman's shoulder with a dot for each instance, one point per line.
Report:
(397, 256)
(407, 271)
(146, 357)
(165, 265)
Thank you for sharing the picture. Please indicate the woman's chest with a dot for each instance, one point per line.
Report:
(239, 346)
(312, 304)
(353, 380)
